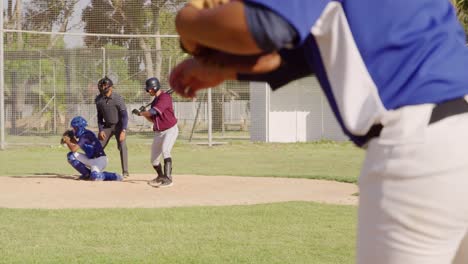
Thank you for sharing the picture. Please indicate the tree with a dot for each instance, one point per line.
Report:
(462, 12)
(14, 18)
(130, 17)
(48, 16)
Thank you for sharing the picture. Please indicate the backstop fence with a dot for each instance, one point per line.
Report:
(54, 52)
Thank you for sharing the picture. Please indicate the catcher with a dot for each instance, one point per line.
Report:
(92, 162)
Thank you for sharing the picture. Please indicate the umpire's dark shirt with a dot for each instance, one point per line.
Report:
(110, 110)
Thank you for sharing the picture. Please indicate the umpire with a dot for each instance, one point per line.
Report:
(112, 118)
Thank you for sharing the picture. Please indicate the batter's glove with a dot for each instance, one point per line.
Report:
(138, 111)
(68, 135)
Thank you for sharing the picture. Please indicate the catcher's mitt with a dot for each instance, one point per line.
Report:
(68, 135)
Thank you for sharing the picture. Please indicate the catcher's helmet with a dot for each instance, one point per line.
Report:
(104, 85)
(152, 84)
(78, 123)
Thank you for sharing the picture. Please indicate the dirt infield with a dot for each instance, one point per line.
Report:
(62, 191)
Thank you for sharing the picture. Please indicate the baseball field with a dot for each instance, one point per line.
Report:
(239, 202)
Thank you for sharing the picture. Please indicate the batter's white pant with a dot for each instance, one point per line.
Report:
(97, 164)
(163, 142)
(413, 199)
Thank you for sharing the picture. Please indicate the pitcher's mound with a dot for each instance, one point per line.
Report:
(62, 191)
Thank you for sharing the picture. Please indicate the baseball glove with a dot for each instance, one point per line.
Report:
(68, 135)
(139, 110)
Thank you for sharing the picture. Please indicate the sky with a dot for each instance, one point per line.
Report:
(75, 25)
(75, 41)
(70, 41)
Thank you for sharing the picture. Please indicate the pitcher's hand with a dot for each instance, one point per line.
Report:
(190, 76)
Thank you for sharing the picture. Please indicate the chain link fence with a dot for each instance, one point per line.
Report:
(46, 88)
(54, 53)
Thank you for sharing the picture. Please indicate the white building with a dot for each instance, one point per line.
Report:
(298, 112)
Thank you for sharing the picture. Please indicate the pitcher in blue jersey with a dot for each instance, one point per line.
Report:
(92, 162)
(394, 73)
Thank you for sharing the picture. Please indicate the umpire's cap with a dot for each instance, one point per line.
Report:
(104, 84)
(152, 84)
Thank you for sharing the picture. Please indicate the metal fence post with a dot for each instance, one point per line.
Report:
(210, 119)
(103, 61)
(55, 97)
(2, 83)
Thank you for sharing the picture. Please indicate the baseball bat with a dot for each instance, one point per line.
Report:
(136, 111)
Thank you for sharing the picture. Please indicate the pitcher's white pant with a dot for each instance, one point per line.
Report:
(163, 142)
(97, 164)
(413, 199)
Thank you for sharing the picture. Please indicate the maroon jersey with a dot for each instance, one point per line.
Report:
(165, 117)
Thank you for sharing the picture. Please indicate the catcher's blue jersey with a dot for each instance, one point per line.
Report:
(375, 56)
(90, 144)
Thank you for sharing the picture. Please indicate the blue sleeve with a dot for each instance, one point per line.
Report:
(153, 111)
(124, 114)
(300, 14)
(293, 66)
(88, 143)
(122, 110)
(100, 118)
(270, 31)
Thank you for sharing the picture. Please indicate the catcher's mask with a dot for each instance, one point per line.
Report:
(78, 123)
(152, 84)
(104, 85)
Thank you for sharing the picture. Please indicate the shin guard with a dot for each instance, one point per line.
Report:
(97, 176)
(168, 168)
(111, 176)
(77, 165)
(158, 170)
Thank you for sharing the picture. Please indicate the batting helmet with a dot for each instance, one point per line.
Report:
(152, 84)
(104, 85)
(78, 123)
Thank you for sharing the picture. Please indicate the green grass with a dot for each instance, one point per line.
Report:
(293, 232)
(323, 160)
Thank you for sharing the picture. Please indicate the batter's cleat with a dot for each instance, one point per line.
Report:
(159, 179)
(125, 174)
(155, 182)
(166, 182)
